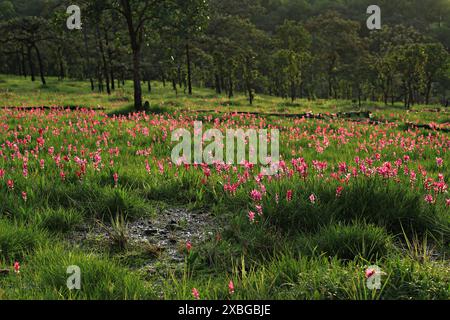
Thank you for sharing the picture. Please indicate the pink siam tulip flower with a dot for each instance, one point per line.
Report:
(342, 167)
(116, 178)
(439, 162)
(147, 167)
(312, 198)
(339, 191)
(231, 287)
(429, 198)
(196, 294)
(369, 273)
(16, 267)
(24, 196)
(256, 195)
(447, 203)
(10, 184)
(289, 196)
(188, 246)
(251, 216)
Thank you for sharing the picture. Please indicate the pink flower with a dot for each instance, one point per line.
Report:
(312, 198)
(40, 141)
(188, 246)
(429, 198)
(2, 173)
(369, 273)
(116, 178)
(24, 196)
(289, 196)
(439, 162)
(195, 293)
(10, 184)
(231, 287)
(62, 175)
(251, 216)
(256, 195)
(160, 167)
(16, 267)
(259, 209)
(339, 191)
(447, 203)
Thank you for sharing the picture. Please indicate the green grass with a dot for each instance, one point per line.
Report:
(73, 93)
(296, 249)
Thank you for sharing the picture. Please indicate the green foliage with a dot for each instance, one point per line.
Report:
(16, 240)
(351, 241)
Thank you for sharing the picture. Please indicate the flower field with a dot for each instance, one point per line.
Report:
(348, 195)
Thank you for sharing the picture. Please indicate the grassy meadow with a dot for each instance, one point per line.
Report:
(75, 183)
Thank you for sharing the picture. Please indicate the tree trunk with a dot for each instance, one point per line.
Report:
(41, 65)
(136, 38)
(88, 60)
(105, 66)
(100, 78)
(31, 64)
(24, 67)
(189, 75)
(149, 84)
(163, 78)
(174, 86)
(137, 80)
(110, 62)
(293, 91)
(61, 65)
(218, 89)
(428, 92)
(230, 88)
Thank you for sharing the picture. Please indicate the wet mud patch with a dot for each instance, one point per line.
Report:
(154, 240)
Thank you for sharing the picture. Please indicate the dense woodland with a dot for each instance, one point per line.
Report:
(287, 48)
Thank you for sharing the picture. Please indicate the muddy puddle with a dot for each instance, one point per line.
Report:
(167, 233)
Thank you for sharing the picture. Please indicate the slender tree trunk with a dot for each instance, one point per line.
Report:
(189, 75)
(428, 92)
(293, 91)
(41, 65)
(163, 78)
(174, 86)
(230, 88)
(137, 80)
(359, 98)
(218, 89)
(100, 78)
(24, 67)
(103, 57)
(61, 65)
(18, 64)
(88, 60)
(110, 60)
(136, 38)
(31, 64)
(149, 85)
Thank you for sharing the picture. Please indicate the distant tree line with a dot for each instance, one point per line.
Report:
(287, 48)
